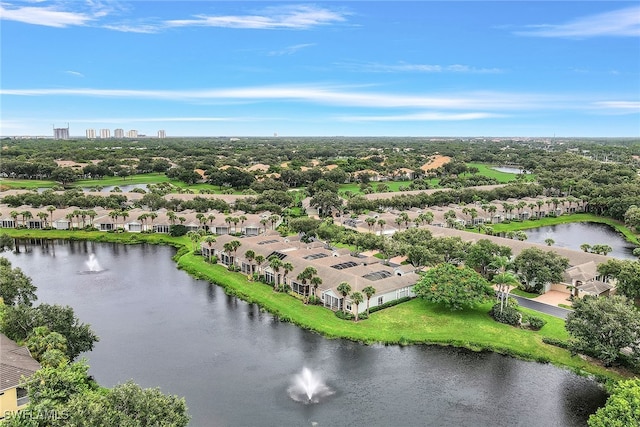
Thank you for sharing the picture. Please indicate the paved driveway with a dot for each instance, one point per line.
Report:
(542, 307)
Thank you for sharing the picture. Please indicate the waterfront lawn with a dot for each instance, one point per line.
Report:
(502, 177)
(413, 322)
(565, 219)
(26, 184)
(394, 186)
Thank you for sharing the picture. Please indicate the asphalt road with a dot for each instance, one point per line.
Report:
(541, 307)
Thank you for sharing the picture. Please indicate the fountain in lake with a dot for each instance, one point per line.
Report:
(308, 387)
(93, 266)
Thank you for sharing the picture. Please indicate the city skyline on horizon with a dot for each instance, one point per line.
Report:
(331, 68)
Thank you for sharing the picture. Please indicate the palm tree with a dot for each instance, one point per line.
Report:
(210, 219)
(492, 210)
(250, 256)
(369, 291)
(50, 209)
(70, 217)
(344, 288)
(25, 216)
(371, 221)
(381, 223)
(357, 299)
(273, 219)
(503, 281)
(264, 222)
(585, 247)
(14, 215)
(195, 238)
(242, 219)
(549, 241)
(172, 217)
(275, 263)
(235, 244)
(201, 218)
(152, 216)
(315, 281)
(143, 219)
(43, 217)
(124, 215)
(114, 216)
(259, 260)
(306, 275)
(287, 267)
(210, 240)
(91, 214)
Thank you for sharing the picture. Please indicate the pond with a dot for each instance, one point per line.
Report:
(574, 234)
(124, 188)
(507, 169)
(235, 363)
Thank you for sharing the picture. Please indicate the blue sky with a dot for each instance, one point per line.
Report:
(382, 68)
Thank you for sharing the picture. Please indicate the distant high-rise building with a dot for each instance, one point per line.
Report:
(91, 133)
(105, 133)
(162, 134)
(61, 133)
(118, 133)
(132, 133)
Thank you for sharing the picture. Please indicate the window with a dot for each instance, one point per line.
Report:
(379, 300)
(23, 397)
(316, 256)
(377, 275)
(344, 265)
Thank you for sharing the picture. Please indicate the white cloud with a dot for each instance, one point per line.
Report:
(622, 22)
(426, 116)
(618, 107)
(322, 94)
(46, 16)
(290, 50)
(74, 73)
(418, 68)
(283, 17)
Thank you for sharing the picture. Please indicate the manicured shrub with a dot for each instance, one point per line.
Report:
(509, 315)
(536, 323)
(556, 342)
(389, 304)
(344, 315)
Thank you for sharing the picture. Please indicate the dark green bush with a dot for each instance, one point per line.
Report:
(388, 304)
(344, 315)
(509, 315)
(536, 323)
(556, 342)
(177, 230)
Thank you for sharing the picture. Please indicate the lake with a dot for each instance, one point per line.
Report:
(234, 363)
(507, 169)
(574, 234)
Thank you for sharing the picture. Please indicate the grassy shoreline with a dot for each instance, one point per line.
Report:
(566, 219)
(413, 322)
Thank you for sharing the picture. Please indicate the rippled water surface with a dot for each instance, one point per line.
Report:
(234, 363)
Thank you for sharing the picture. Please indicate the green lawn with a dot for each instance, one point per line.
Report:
(394, 186)
(147, 178)
(413, 322)
(26, 184)
(502, 177)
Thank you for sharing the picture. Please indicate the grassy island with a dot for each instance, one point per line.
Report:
(413, 322)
